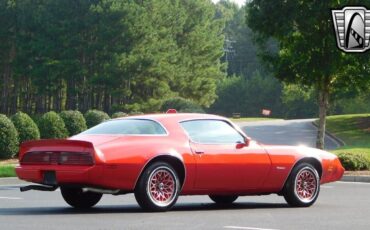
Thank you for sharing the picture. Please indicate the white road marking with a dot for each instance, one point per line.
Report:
(326, 186)
(247, 228)
(354, 182)
(10, 198)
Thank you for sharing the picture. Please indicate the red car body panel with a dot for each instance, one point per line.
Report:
(209, 169)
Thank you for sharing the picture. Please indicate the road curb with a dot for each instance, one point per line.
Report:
(332, 136)
(349, 178)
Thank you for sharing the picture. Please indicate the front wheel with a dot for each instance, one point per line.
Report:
(303, 186)
(158, 187)
(77, 198)
(223, 199)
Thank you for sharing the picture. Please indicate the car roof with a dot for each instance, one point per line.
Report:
(175, 117)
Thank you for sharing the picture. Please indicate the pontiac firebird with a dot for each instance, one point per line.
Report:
(159, 157)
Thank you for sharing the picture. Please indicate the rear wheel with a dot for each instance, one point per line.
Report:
(303, 186)
(223, 199)
(77, 198)
(158, 187)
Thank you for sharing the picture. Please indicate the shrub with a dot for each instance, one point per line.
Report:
(181, 105)
(52, 126)
(354, 161)
(132, 113)
(26, 127)
(119, 114)
(74, 121)
(94, 117)
(8, 138)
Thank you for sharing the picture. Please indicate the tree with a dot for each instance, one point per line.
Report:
(308, 54)
(110, 55)
(238, 95)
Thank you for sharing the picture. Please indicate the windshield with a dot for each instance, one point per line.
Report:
(128, 127)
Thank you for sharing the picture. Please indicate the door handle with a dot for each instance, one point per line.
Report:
(199, 151)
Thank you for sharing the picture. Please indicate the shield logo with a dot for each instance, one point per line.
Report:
(352, 28)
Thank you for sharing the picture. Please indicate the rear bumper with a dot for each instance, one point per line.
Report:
(91, 175)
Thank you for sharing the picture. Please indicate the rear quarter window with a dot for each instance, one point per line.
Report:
(128, 127)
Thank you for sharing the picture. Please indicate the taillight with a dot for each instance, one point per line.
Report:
(57, 158)
(69, 158)
(43, 158)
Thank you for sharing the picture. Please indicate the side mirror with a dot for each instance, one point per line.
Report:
(241, 145)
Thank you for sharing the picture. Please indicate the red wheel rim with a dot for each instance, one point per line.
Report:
(306, 185)
(162, 186)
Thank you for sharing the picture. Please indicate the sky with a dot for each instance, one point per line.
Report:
(239, 2)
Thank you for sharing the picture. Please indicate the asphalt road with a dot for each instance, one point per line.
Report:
(285, 132)
(339, 206)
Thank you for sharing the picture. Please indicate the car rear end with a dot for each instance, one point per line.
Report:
(58, 162)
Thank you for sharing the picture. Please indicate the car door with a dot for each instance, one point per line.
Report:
(223, 162)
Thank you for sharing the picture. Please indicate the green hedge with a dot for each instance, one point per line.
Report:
(74, 121)
(181, 105)
(354, 162)
(8, 138)
(26, 127)
(119, 114)
(94, 117)
(52, 126)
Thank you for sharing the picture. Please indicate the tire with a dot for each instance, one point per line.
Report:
(223, 199)
(79, 199)
(158, 187)
(303, 186)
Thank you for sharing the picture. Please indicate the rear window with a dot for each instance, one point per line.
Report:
(128, 127)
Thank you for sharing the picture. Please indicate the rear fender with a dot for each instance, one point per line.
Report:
(174, 159)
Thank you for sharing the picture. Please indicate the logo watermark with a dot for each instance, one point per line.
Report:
(352, 28)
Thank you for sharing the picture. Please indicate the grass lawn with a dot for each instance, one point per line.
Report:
(354, 130)
(252, 119)
(7, 168)
(7, 171)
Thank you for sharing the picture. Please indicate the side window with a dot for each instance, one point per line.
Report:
(211, 132)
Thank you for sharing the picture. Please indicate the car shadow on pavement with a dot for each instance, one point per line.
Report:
(104, 209)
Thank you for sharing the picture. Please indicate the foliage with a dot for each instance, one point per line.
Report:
(132, 113)
(307, 50)
(119, 114)
(241, 53)
(94, 117)
(354, 161)
(74, 121)
(248, 96)
(299, 102)
(8, 138)
(354, 149)
(7, 171)
(105, 54)
(352, 104)
(26, 127)
(181, 105)
(352, 129)
(52, 126)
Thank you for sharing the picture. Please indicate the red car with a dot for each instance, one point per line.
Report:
(159, 157)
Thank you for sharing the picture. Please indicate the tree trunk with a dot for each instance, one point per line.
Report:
(323, 101)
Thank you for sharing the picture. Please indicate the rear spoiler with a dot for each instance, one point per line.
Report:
(55, 145)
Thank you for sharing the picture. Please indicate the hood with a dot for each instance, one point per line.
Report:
(299, 151)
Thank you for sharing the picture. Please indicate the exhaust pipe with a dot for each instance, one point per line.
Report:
(100, 190)
(38, 187)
